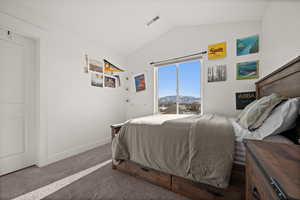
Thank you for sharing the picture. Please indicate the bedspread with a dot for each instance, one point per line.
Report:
(198, 147)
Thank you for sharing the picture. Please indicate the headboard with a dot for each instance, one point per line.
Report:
(284, 81)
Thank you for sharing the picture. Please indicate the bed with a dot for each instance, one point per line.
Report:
(284, 81)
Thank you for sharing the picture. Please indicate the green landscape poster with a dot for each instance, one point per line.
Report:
(247, 70)
(247, 45)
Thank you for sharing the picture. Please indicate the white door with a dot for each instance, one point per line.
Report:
(17, 86)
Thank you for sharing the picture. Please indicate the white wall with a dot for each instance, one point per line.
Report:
(219, 97)
(78, 113)
(72, 115)
(280, 31)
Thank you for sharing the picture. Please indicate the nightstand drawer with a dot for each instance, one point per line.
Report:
(258, 186)
(272, 171)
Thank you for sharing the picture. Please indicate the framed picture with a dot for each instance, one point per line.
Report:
(244, 98)
(97, 79)
(247, 45)
(110, 81)
(95, 66)
(217, 50)
(247, 70)
(139, 82)
(216, 73)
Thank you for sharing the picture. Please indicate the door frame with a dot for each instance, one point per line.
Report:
(30, 87)
(40, 115)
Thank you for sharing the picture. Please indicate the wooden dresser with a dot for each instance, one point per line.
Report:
(272, 171)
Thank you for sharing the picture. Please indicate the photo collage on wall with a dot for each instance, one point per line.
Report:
(103, 73)
(248, 69)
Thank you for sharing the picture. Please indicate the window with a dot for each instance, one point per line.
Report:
(178, 88)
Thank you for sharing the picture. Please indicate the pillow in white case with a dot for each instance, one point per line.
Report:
(282, 118)
(253, 112)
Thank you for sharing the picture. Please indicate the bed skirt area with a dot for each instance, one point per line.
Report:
(192, 190)
(239, 153)
(196, 147)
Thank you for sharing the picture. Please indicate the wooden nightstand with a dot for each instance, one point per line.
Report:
(272, 171)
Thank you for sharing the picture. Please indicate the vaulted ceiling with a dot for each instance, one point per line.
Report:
(121, 24)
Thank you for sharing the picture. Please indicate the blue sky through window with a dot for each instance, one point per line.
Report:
(167, 80)
(189, 79)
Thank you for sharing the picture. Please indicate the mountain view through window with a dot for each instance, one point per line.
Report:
(179, 88)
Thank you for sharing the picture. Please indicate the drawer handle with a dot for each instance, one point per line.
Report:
(145, 169)
(218, 194)
(278, 189)
(255, 193)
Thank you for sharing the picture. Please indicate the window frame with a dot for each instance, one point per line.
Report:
(155, 81)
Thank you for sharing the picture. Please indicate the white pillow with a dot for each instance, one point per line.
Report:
(282, 118)
(250, 117)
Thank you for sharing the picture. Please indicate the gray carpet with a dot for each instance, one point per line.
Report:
(26, 180)
(107, 184)
(104, 183)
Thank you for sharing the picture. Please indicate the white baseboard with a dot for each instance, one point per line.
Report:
(73, 151)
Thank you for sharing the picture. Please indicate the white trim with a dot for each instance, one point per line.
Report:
(177, 88)
(74, 151)
(30, 142)
(24, 28)
(155, 87)
(203, 76)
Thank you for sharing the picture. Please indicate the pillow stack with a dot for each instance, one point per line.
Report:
(253, 116)
(283, 118)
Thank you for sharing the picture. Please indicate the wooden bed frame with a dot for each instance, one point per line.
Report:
(284, 81)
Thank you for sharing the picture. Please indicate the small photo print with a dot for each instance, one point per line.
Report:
(217, 73)
(140, 82)
(247, 45)
(110, 81)
(95, 66)
(86, 65)
(118, 80)
(247, 70)
(97, 80)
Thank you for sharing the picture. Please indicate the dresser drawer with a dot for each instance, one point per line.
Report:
(147, 174)
(258, 186)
